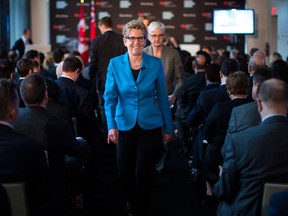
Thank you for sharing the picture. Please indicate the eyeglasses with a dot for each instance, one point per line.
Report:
(133, 39)
(157, 36)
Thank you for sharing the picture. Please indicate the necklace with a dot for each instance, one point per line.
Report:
(137, 64)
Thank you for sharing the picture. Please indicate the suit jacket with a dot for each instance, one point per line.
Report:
(144, 101)
(103, 48)
(55, 134)
(190, 91)
(23, 159)
(242, 117)
(173, 68)
(20, 47)
(253, 156)
(198, 115)
(81, 105)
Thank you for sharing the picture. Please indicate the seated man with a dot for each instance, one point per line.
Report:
(21, 158)
(256, 155)
(65, 154)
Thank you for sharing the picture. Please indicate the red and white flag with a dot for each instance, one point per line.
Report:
(92, 21)
(83, 46)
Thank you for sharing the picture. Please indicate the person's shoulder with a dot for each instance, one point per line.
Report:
(118, 58)
(25, 142)
(170, 50)
(151, 59)
(244, 107)
(206, 92)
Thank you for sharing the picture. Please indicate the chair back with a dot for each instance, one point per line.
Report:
(17, 197)
(269, 189)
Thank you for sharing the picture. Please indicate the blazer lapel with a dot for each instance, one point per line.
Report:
(143, 69)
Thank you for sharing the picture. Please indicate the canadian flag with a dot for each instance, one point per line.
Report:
(83, 46)
(92, 21)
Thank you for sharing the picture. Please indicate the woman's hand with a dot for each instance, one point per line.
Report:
(112, 136)
(167, 138)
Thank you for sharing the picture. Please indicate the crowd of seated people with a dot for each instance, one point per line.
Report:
(220, 101)
(58, 115)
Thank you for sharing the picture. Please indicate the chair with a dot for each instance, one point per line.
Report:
(17, 197)
(269, 189)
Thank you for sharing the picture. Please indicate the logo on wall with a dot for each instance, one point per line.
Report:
(124, 4)
(167, 15)
(167, 4)
(103, 4)
(188, 4)
(61, 4)
(188, 38)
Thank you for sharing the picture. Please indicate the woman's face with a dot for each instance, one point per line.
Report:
(157, 37)
(135, 42)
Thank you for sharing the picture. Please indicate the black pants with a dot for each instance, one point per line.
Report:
(138, 151)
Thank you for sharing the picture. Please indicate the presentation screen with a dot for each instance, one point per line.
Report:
(233, 21)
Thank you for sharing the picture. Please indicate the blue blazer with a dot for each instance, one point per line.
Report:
(144, 101)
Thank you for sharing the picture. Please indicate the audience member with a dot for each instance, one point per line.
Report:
(256, 61)
(246, 166)
(280, 68)
(24, 68)
(80, 104)
(53, 105)
(274, 57)
(103, 48)
(247, 115)
(43, 70)
(6, 69)
(21, 158)
(58, 56)
(20, 44)
(65, 155)
(212, 74)
(189, 92)
(253, 50)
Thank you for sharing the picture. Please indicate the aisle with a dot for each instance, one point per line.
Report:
(171, 196)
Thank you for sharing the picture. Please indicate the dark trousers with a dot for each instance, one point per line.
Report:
(137, 154)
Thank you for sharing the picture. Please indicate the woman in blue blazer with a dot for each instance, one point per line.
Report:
(137, 112)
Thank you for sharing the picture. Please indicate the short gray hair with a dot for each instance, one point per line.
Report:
(156, 25)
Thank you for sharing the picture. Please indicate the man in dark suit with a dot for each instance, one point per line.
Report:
(7, 69)
(79, 102)
(103, 48)
(247, 115)
(256, 155)
(19, 44)
(65, 155)
(257, 61)
(21, 158)
(24, 68)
